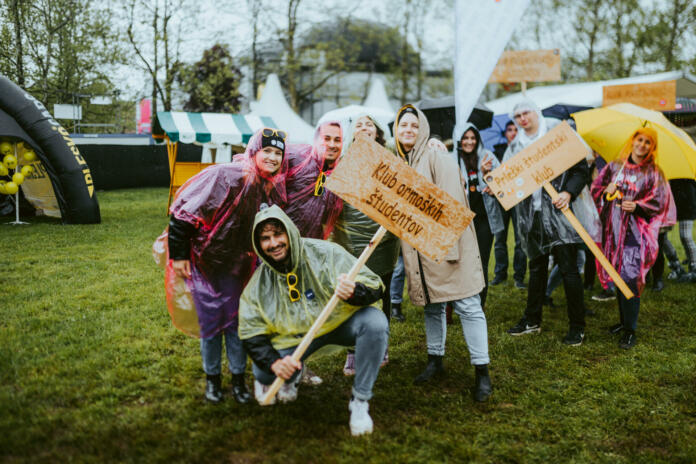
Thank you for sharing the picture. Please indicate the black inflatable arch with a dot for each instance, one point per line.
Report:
(68, 171)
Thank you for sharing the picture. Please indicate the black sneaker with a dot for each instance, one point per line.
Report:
(548, 301)
(497, 280)
(524, 327)
(604, 295)
(574, 337)
(520, 285)
(658, 285)
(628, 340)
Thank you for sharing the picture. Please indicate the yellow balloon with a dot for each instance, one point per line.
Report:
(3, 170)
(29, 156)
(11, 188)
(9, 161)
(6, 148)
(18, 178)
(27, 170)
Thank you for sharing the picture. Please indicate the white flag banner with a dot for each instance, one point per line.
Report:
(483, 28)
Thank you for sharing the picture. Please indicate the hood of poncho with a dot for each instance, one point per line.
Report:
(421, 145)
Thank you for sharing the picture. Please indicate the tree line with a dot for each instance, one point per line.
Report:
(64, 50)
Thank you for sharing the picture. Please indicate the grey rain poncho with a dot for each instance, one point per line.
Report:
(542, 226)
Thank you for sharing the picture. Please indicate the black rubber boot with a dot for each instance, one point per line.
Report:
(396, 313)
(213, 390)
(483, 388)
(239, 389)
(432, 370)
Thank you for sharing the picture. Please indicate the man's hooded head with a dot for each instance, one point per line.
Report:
(276, 239)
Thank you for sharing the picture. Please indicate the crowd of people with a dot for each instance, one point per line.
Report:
(257, 247)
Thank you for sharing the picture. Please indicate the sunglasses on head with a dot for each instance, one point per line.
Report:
(319, 185)
(268, 132)
(291, 279)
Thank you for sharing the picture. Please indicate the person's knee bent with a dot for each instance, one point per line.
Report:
(374, 322)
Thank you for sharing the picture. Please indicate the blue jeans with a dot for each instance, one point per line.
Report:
(396, 289)
(368, 330)
(519, 259)
(211, 352)
(473, 325)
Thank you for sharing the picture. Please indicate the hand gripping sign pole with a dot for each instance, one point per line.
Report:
(535, 167)
(325, 313)
(399, 199)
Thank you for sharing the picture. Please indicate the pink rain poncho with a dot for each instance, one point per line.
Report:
(221, 202)
(315, 215)
(629, 240)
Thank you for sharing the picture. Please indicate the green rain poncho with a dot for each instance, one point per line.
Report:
(354, 230)
(265, 307)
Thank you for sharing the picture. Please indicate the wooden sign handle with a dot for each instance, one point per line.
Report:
(591, 244)
(309, 336)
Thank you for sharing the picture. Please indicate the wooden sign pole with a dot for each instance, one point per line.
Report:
(309, 336)
(591, 244)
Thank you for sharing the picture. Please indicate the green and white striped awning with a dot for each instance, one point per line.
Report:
(218, 128)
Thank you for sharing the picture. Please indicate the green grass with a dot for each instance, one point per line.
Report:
(91, 370)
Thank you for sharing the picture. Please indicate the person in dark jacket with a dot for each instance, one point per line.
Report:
(519, 260)
(545, 231)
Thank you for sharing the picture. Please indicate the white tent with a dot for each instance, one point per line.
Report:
(273, 104)
(346, 114)
(377, 95)
(589, 93)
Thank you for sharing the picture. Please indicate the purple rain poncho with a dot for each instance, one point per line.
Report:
(221, 201)
(313, 215)
(629, 240)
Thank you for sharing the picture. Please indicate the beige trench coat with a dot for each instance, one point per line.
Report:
(460, 275)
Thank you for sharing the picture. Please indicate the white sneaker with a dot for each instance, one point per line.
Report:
(360, 420)
(288, 392)
(260, 391)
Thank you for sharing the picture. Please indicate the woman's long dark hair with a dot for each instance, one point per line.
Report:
(470, 159)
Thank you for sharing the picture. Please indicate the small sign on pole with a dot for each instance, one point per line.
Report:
(528, 66)
(393, 194)
(534, 168)
(659, 96)
(526, 172)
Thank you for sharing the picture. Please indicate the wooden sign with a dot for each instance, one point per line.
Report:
(660, 96)
(541, 162)
(528, 66)
(382, 186)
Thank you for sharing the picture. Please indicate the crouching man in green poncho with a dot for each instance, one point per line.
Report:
(285, 295)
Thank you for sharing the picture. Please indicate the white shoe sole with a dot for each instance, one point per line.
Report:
(357, 431)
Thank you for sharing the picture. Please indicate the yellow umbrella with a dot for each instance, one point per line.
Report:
(607, 129)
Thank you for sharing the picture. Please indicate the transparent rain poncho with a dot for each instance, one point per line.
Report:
(221, 202)
(542, 226)
(313, 214)
(354, 230)
(629, 240)
(265, 307)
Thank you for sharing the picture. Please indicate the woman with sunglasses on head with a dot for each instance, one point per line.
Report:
(459, 277)
(634, 202)
(311, 207)
(210, 250)
(475, 162)
(354, 230)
